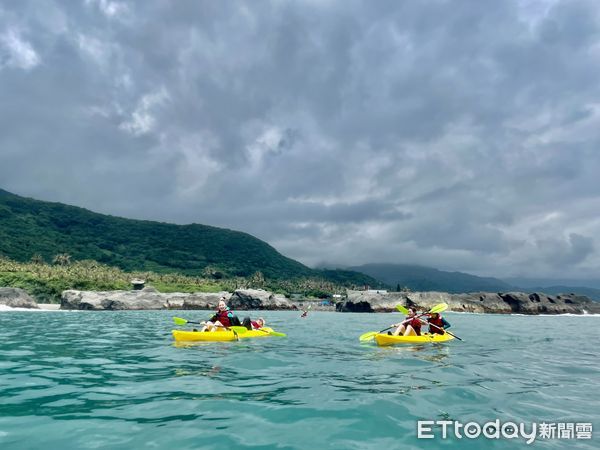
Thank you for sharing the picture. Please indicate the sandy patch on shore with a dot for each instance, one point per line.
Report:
(49, 306)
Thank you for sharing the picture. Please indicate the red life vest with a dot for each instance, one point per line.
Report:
(255, 325)
(438, 323)
(223, 317)
(416, 324)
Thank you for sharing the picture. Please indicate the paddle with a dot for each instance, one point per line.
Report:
(371, 334)
(402, 309)
(440, 307)
(180, 321)
(272, 333)
(435, 309)
(445, 331)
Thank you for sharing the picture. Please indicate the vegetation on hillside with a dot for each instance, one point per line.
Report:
(62, 235)
(46, 282)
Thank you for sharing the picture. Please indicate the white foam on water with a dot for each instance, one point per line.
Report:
(8, 308)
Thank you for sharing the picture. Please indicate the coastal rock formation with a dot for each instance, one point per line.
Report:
(478, 302)
(149, 298)
(16, 298)
(351, 306)
(356, 301)
(244, 299)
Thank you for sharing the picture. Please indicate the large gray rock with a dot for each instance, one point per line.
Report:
(478, 302)
(16, 298)
(245, 299)
(149, 298)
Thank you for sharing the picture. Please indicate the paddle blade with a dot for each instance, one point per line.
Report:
(439, 308)
(179, 321)
(239, 330)
(367, 336)
(402, 309)
(277, 333)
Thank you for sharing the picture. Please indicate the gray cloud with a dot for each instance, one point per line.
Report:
(461, 135)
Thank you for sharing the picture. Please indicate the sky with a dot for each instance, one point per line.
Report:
(462, 135)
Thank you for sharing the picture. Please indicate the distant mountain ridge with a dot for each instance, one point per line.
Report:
(31, 227)
(592, 293)
(545, 282)
(419, 278)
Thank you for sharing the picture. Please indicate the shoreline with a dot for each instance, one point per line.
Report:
(49, 306)
(43, 307)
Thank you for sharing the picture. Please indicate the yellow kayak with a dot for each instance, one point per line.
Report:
(187, 336)
(386, 339)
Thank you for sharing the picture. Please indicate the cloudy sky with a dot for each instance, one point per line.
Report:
(463, 135)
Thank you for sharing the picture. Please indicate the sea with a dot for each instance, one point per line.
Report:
(117, 380)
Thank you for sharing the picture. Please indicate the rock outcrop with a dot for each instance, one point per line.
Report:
(244, 299)
(356, 301)
(149, 298)
(478, 302)
(16, 298)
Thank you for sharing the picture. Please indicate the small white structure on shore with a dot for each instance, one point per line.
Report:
(138, 284)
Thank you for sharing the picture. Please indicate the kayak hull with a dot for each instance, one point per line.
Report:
(426, 338)
(218, 336)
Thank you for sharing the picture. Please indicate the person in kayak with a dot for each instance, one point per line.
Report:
(223, 318)
(409, 327)
(253, 324)
(305, 311)
(438, 322)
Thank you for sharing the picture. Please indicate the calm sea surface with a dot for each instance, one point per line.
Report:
(71, 380)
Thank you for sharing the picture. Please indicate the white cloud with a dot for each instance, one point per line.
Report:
(99, 51)
(452, 135)
(18, 53)
(110, 8)
(142, 119)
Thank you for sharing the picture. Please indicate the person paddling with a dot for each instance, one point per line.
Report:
(438, 322)
(305, 311)
(409, 327)
(223, 318)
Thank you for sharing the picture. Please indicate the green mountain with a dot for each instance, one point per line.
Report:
(418, 278)
(30, 227)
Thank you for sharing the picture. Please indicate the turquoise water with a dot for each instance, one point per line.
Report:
(115, 380)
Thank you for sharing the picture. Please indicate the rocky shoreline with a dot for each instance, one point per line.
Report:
(355, 301)
(477, 302)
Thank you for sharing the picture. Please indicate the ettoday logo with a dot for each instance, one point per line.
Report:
(495, 429)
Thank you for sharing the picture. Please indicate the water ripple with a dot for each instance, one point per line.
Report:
(116, 380)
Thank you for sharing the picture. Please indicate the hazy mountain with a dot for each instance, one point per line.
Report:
(592, 293)
(546, 282)
(419, 278)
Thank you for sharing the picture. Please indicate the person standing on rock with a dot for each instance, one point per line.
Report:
(223, 318)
